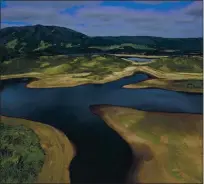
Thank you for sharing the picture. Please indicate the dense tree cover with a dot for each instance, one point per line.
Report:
(3, 53)
(21, 156)
(53, 40)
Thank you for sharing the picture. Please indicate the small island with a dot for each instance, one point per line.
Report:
(33, 152)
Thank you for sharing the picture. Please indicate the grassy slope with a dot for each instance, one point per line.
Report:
(194, 86)
(179, 74)
(39, 39)
(160, 43)
(123, 46)
(168, 145)
(30, 38)
(63, 70)
(58, 151)
(54, 65)
(179, 64)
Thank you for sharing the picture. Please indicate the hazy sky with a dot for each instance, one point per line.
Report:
(110, 18)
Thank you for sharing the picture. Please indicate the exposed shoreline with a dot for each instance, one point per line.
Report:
(163, 84)
(67, 80)
(149, 165)
(59, 151)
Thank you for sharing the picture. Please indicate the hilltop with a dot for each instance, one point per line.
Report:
(39, 39)
(53, 40)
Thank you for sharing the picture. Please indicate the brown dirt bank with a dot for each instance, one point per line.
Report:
(191, 86)
(59, 151)
(167, 146)
(70, 80)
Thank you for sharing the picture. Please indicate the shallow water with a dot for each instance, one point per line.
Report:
(136, 59)
(102, 155)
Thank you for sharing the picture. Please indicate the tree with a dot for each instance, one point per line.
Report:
(4, 54)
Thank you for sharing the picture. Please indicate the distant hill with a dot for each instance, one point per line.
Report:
(39, 39)
(160, 43)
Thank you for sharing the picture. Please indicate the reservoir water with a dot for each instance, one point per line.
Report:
(136, 59)
(102, 155)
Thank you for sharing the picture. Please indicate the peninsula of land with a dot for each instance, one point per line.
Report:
(167, 147)
(49, 156)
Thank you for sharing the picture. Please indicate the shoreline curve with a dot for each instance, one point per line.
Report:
(151, 158)
(59, 151)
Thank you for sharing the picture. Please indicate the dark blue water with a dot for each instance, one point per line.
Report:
(102, 155)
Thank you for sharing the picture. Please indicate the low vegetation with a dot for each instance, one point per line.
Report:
(55, 65)
(195, 86)
(64, 71)
(193, 64)
(167, 146)
(178, 74)
(21, 155)
(61, 70)
(123, 46)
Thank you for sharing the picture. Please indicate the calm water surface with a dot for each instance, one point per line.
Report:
(102, 155)
(136, 59)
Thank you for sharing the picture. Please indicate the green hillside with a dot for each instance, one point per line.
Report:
(179, 64)
(53, 40)
(191, 44)
(38, 38)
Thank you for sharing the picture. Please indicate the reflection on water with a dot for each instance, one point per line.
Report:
(102, 155)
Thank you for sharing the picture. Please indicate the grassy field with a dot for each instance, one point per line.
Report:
(179, 64)
(55, 65)
(33, 152)
(167, 146)
(64, 71)
(69, 71)
(178, 74)
(194, 86)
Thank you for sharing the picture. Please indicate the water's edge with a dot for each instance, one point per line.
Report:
(102, 155)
